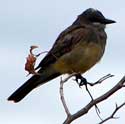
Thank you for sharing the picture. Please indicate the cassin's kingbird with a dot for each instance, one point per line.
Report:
(76, 50)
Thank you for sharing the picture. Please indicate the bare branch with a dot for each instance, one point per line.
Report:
(94, 102)
(113, 113)
(63, 99)
(62, 94)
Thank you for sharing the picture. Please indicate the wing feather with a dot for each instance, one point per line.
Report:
(64, 44)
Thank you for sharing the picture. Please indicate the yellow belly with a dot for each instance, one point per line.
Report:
(80, 59)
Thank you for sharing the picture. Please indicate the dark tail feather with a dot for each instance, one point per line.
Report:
(29, 85)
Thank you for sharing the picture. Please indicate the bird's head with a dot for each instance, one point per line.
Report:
(94, 16)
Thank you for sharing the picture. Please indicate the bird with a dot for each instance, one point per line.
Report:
(77, 49)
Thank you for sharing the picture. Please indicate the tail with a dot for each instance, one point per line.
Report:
(32, 83)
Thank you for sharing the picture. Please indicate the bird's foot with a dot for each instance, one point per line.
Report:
(82, 82)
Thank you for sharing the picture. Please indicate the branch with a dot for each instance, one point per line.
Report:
(100, 80)
(113, 113)
(62, 94)
(63, 99)
(94, 102)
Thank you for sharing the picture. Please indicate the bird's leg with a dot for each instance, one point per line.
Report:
(82, 82)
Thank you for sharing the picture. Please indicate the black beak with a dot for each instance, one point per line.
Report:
(108, 21)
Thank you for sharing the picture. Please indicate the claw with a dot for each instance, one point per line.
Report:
(83, 81)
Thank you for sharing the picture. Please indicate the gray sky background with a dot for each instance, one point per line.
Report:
(34, 22)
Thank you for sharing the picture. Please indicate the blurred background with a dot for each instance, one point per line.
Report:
(34, 22)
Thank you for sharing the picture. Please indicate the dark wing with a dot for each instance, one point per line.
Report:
(64, 44)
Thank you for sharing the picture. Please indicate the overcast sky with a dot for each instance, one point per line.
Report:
(35, 22)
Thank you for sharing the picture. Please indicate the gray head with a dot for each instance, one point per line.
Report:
(94, 16)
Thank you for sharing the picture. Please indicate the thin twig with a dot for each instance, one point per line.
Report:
(101, 80)
(113, 113)
(96, 107)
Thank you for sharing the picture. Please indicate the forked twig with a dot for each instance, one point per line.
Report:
(113, 113)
